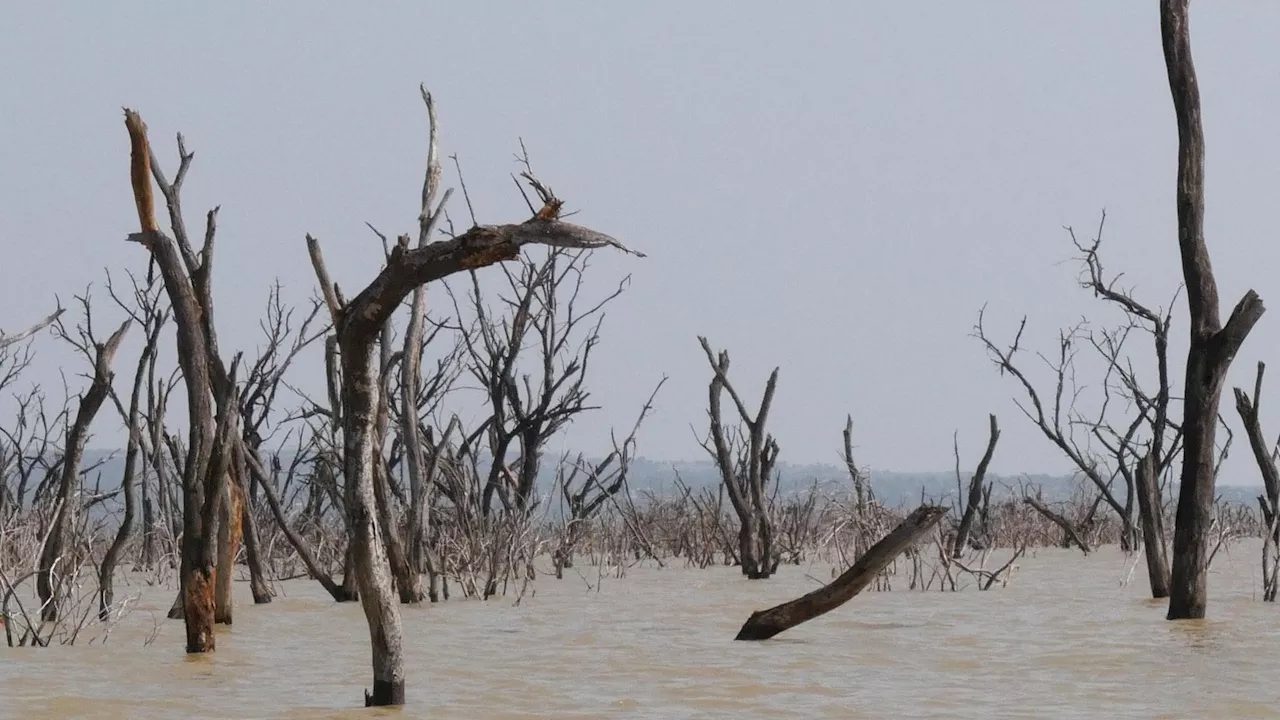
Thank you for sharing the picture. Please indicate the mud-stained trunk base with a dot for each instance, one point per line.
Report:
(385, 692)
(197, 611)
(763, 625)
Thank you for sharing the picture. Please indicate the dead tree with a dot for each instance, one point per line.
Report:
(282, 344)
(1143, 427)
(529, 406)
(587, 487)
(146, 312)
(1265, 454)
(861, 481)
(67, 501)
(1213, 345)
(764, 624)
(211, 398)
(1059, 418)
(974, 498)
(358, 322)
(745, 462)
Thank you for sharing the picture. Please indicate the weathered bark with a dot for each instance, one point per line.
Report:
(975, 491)
(359, 399)
(745, 476)
(764, 624)
(1151, 515)
(406, 577)
(230, 534)
(1213, 346)
(1070, 531)
(66, 505)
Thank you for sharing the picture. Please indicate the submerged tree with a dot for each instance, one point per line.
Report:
(211, 394)
(358, 323)
(745, 461)
(1213, 345)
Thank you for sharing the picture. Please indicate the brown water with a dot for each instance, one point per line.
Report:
(1066, 639)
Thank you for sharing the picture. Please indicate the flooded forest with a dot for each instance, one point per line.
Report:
(258, 550)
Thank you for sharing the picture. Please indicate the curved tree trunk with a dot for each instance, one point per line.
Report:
(66, 503)
(128, 481)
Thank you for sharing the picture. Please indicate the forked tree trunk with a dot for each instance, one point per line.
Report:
(764, 624)
(66, 501)
(128, 481)
(744, 476)
(186, 279)
(128, 486)
(1213, 345)
(975, 491)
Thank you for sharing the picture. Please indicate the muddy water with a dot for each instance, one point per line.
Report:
(1066, 639)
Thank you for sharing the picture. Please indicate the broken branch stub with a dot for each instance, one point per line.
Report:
(764, 624)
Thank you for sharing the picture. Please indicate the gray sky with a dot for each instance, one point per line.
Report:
(835, 188)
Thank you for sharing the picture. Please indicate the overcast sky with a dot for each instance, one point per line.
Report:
(833, 188)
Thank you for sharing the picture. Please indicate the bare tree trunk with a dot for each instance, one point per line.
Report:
(975, 492)
(764, 624)
(1151, 513)
(186, 278)
(258, 585)
(229, 536)
(745, 476)
(66, 505)
(359, 402)
(411, 376)
(128, 481)
(1213, 346)
(406, 577)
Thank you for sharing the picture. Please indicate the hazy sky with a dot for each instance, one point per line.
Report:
(834, 188)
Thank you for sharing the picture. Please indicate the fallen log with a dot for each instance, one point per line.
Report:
(764, 624)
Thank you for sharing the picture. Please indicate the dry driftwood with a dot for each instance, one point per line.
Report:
(764, 624)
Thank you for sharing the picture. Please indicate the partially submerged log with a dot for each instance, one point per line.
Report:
(764, 624)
